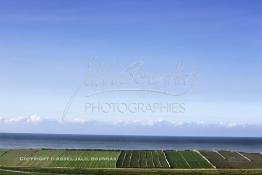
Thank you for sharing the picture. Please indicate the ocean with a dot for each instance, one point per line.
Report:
(58, 141)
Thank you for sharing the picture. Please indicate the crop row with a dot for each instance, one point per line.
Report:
(227, 159)
(142, 159)
(162, 159)
(186, 160)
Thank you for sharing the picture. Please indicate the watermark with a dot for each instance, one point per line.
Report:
(66, 158)
(136, 76)
(134, 107)
(134, 81)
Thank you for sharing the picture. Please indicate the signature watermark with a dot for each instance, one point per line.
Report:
(134, 81)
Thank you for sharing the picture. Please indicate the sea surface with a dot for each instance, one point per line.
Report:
(15, 141)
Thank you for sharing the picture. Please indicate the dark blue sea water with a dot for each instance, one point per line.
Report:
(128, 142)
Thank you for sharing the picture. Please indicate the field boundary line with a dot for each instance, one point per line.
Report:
(122, 162)
(219, 154)
(198, 152)
(130, 160)
(245, 157)
(138, 170)
(1, 155)
(15, 171)
(146, 160)
(139, 159)
(185, 160)
(166, 158)
(32, 172)
(25, 172)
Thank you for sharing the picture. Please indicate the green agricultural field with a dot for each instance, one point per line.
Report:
(186, 160)
(195, 160)
(162, 159)
(42, 158)
(124, 159)
(139, 159)
(14, 157)
(87, 159)
(60, 158)
(176, 160)
(2, 151)
(142, 159)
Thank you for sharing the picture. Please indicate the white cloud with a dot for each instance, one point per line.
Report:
(36, 124)
(79, 120)
(33, 119)
(153, 123)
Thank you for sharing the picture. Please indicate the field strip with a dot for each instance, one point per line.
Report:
(204, 158)
(130, 159)
(146, 161)
(139, 159)
(152, 158)
(185, 160)
(166, 158)
(245, 157)
(160, 163)
(31, 172)
(93, 171)
(122, 162)
(219, 154)
(159, 158)
(20, 172)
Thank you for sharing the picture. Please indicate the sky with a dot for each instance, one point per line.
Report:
(140, 67)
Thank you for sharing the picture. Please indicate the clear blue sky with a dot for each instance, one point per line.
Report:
(47, 46)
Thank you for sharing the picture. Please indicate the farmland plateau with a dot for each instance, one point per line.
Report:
(19, 161)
